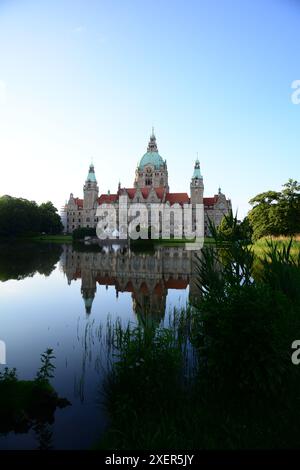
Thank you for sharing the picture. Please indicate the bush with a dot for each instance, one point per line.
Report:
(81, 233)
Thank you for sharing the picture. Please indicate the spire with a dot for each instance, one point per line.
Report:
(197, 172)
(152, 145)
(91, 175)
(219, 190)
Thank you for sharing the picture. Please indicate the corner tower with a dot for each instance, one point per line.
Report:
(90, 190)
(197, 186)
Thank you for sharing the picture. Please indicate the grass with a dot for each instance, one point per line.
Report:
(52, 238)
(260, 247)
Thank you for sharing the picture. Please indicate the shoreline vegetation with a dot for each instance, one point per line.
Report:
(220, 375)
(30, 404)
(258, 246)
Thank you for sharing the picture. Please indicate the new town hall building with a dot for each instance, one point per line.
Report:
(151, 185)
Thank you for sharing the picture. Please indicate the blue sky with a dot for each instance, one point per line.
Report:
(88, 79)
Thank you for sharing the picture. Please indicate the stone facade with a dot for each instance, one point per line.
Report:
(150, 186)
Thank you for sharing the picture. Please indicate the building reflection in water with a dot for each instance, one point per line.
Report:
(148, 276)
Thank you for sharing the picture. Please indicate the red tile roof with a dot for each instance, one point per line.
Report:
(130, 192)
(179, 198)
(78, 202)
(210, 201)
(159, 192)
(107, 198)
(145, 192)
(172, 198)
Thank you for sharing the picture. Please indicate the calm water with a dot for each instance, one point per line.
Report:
(52, 296)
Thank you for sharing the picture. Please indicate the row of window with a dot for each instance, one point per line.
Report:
(78, 226)
(79, 220)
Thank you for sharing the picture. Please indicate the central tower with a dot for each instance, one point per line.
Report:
(152, 170)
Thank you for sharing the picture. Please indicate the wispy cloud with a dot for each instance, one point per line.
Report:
(79, 29)
(3, 92)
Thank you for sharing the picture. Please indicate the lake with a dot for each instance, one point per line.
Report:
(56, 296)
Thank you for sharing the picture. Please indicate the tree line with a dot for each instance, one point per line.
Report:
(273, 213)
(20, 217)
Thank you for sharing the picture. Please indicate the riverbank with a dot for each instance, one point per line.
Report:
(39, 238)
(51, 238)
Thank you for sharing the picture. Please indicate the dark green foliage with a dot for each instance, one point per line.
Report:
(20, 217)
(47, 367)
(26, 404)
(50, 222)
(276, 213)
(231, 229)
(244, 316)
(144, 387)
(281, 271)
(222, 376)
(141, 245)
(9, 375)
(243, 333)
(244, 339)
(80, 233)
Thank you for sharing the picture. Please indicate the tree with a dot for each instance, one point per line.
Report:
(50, 219)
(230, 229)
(19, 217)
(276, 213)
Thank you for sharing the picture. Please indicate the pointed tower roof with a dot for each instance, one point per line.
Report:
(197, 172)
(152, 156)
(152, 145)
(91, 174)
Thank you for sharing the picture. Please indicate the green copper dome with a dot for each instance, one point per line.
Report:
(151, 158)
